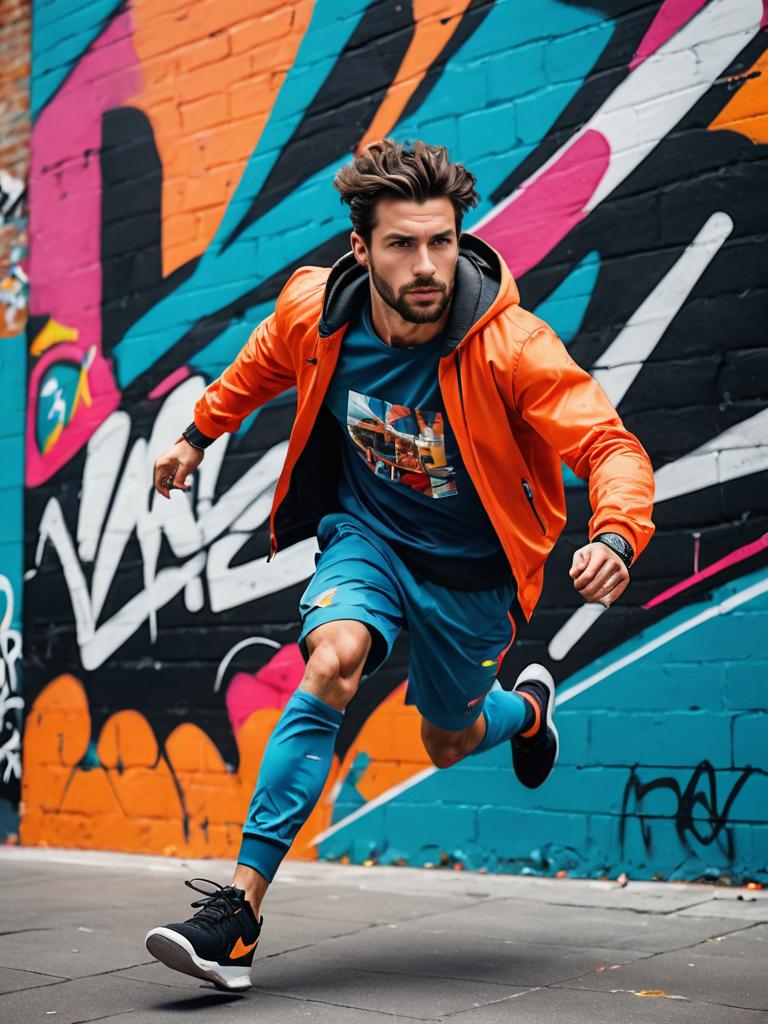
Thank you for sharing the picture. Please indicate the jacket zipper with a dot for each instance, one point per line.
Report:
(529, 495)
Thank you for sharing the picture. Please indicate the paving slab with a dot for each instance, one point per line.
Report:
(330, 978)
(528, 921)
(561, 1006)
(16, 981)
(741, 906)
(374, 907)
(354, 945)
(696, 974)
(454, 954)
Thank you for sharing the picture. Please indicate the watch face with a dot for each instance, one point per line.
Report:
(622, 547)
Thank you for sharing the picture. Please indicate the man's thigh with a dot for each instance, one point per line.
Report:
(354, 582)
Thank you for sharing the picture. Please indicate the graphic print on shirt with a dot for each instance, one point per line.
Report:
(401, 444)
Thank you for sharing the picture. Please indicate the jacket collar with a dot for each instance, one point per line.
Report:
(480, 275)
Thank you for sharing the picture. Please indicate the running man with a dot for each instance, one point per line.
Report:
(415, 317)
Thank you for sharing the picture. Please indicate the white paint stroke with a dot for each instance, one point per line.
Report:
(654, 97)
(739, 451)
(105, 451)
(723, 608)
(617, 368)
(202, 538)
(569, 634)
(250, 641)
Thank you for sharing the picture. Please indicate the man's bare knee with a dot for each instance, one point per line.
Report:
(336, 660)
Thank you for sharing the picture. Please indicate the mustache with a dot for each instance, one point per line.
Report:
(427, 283)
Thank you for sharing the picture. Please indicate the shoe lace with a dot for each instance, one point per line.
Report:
(216, 905)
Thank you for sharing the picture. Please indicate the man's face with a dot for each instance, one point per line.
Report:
(412, 256)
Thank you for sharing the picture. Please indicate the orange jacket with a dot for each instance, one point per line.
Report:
(516, 400)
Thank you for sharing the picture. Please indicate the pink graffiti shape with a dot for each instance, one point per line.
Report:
(670, 18)
(170, 382)
(65, 217)
(544, 211)
(270, 687)
(748, 551)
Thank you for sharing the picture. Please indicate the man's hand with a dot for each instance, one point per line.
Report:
(173, 468)
(599, 574)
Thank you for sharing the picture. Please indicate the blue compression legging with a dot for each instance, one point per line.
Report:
(298, 758)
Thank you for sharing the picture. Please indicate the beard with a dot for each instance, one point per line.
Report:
(426, 314)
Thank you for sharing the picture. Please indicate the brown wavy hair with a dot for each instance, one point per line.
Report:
(390, 170)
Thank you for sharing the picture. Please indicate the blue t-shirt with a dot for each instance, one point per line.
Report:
(402, 473)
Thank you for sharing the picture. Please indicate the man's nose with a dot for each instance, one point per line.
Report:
(423, 264)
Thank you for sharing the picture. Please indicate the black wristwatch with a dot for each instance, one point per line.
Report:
(616, 543)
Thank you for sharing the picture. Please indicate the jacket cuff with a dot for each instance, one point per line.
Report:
(197, 438)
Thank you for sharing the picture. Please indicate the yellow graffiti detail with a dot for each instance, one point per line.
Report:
(52, 334)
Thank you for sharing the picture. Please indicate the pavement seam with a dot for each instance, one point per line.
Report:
(23, 931)
(344, 1006)
(109, 1016)
(495, 1002)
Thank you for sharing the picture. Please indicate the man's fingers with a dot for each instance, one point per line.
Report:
(180, 476)
(613, 591)
(608, 585)
(603, 583)
(580, 561)
(163, 478)
(595, 562)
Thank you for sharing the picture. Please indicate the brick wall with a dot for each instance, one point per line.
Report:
(180, 169)
(14, 162)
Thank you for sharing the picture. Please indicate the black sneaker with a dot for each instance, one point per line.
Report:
(217, 943)
(535, 756)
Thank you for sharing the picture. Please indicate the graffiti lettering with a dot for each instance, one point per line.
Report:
(699, 795)
(118, 502)
(11, 703)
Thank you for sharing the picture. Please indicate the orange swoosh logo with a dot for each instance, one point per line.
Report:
(239, 949)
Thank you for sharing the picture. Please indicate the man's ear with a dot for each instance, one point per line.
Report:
(359, 249)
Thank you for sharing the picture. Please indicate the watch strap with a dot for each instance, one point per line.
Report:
(619, 545)
(197, 438)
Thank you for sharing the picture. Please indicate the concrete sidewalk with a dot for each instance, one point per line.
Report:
(350, 945)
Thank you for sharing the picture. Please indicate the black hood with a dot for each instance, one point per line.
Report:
(476, 286)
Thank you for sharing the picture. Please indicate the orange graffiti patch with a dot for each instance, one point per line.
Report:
(212, 72)
(127, 793)
(747, 112)
(436, 21)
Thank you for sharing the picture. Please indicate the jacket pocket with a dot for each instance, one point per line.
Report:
(528, 491)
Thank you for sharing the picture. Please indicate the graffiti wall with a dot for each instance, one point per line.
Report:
(14, 162)
(180, 168)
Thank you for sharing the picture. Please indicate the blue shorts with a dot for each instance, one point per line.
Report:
(457, 638)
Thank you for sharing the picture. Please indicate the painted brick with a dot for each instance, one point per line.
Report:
(746, 685)
(662, 738)
(430, 824)
(750, 741)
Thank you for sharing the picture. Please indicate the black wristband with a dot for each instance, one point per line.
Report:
(197, 438)
(618, 545)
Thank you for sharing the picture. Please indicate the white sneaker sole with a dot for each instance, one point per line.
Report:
(543, 675)
(177, 952)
